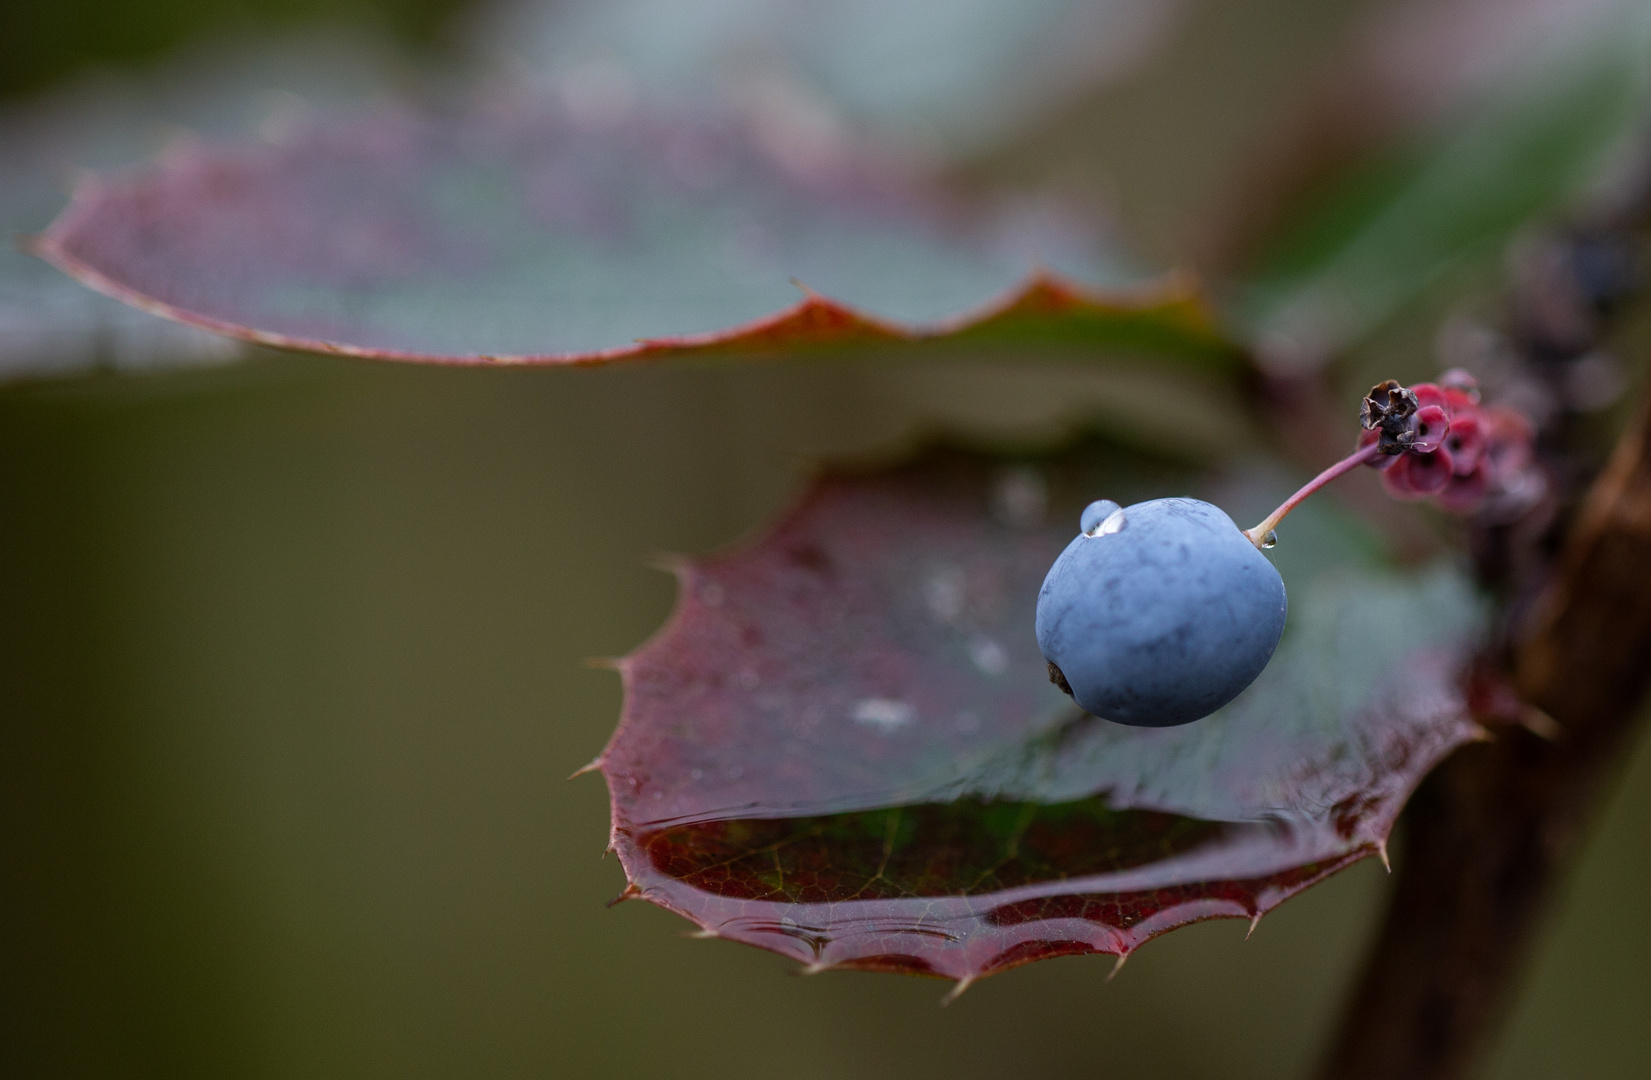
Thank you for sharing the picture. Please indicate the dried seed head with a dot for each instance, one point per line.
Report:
(1391, 409)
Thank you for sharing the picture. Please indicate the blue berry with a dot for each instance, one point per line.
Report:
(1160, 613)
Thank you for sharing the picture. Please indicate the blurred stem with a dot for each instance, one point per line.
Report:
(1489, 831)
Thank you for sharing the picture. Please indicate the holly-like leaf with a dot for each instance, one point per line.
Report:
(516, 232)
(844, 746)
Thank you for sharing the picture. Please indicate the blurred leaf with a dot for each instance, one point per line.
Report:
(1496, 132)
(844, 747)
(516, 232)
(48, 324)
(949, 74)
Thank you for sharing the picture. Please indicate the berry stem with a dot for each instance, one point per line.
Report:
(1258, 535)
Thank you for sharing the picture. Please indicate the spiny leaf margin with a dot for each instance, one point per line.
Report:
(1335, 792)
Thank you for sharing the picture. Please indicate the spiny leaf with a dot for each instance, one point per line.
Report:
(844, 747)
(512, 233)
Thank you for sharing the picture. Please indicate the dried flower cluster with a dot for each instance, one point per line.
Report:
(1437, 441)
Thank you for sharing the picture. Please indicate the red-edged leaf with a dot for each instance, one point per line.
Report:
(844, 747)
(511, 233)
(48, 324)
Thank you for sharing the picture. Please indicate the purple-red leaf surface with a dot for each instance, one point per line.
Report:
(516, 232)
(844, 747)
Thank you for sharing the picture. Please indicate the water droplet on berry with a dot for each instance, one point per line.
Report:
(1115, 523)
(1270, 540)
(1095, 513)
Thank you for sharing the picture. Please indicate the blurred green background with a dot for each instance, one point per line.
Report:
(40, 43)
(292, 667)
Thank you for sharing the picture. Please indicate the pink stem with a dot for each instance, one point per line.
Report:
(1258, 535)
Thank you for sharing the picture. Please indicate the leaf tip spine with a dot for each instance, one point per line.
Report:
(631, 892)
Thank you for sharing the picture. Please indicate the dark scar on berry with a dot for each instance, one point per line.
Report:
(1058, 677)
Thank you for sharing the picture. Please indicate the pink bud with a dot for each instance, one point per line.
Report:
(1460, 403)
(1430, 394)
(1432, 425)
(1397, 479)
(1457, 381)
(1466, 442)
(1425, 474)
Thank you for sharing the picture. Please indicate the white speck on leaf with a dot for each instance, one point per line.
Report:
(1020, 497)
(988, 656)
(945, 591)
(884, 715)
